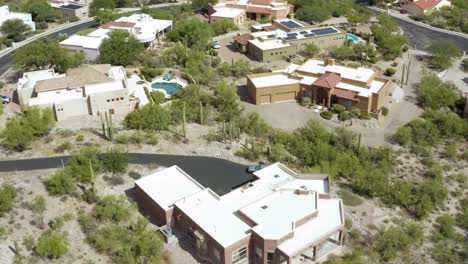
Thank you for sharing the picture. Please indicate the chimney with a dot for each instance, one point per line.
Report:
(329, 61)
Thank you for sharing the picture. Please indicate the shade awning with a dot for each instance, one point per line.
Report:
(344, 94)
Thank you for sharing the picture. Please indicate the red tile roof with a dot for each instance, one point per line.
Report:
(346, 94)
(328, 80)
(117, 24)
(243, 39)
(425, 4)
(259, 10)
(269, 28)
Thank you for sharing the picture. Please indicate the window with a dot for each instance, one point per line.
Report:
(108, 100)
(121, 98)
(217, 255)
(270, 256)
(258, 253)
(239, 256)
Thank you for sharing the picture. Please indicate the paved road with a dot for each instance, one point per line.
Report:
(218, 174)
(5, 61)
(422, 36)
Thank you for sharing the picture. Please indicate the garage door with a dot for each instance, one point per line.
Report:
(289, 96)
(264, 99)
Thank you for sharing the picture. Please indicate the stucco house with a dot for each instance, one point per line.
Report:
(86, 90)
(5, 15)
(274, 219)
(326, 83)
(420, 7)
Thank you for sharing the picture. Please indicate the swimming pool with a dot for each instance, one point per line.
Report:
(170, 88)
(353, 38)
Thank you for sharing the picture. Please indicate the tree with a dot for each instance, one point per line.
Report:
(311, 50)
(222, 26)
(7, 197)
(46, 53)
(97, 5)
(150, 117)
(120, 48)
(435, 94)
(105, 15)
(52, 244)
(193, 33)
(15, 29)
(203, 4)
(390, 242)
(23, 129)
(313, 14)
(85, 164)
(115, 161)
(60, 183)
(191, 95)
(443, 53)
(40, 10)
(227, 101)
(112, 208)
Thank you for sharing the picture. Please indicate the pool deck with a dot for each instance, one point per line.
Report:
(160, 79)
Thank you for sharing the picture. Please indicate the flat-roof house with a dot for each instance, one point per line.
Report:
(5, 15)
(286, 37)
(86, 90)
(69, 8)
(325, 83)
(240, 10)
(420, 7)
(276, 218)
(141, 26)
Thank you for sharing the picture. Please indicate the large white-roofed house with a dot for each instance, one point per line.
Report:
(86, 90)
(274, 219)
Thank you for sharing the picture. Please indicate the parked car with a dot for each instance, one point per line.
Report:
(257, 167)
(402, 11)
(216, 44)
(5, 99)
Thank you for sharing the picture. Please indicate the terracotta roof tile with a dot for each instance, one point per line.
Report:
(328, 80)
(243, 39)
(117, 24)
(346, 94)
(259, 10)
(426, 4)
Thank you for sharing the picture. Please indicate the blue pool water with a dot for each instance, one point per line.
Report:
(354, 38)
(170, 88)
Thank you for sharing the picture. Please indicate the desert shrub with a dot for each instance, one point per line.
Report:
(149, 73)
(56, 223)
(79, 138)
(445, 228)
(355, 112)
(365, 116)
(122, 138)
(390, 71)
(350, 198)
(151, 138)
(29, 242)
(137, 137)
(61, 182)
(394, 64)
(344, 116)
(451, 152)
(38, 205)
(248, 154)
(213, 136)
(384, 110)
(465, 64)
(52, 244)
(326, 114)
(158, 97)
(149, 117)
(84, 165)
(63, 147)
(392, 241)
(7, 197)
(115, 161)
(90, 195)
(112, 208)
(278, 153)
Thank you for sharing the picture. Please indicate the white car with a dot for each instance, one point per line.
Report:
(5, 99)
(216, 44)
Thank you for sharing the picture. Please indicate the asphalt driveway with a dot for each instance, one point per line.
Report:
(219, 175)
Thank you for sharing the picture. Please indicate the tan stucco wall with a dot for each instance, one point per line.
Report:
(113, 100)
(71, 108)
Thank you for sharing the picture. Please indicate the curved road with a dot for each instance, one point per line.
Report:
(6, 60)
(218, 174)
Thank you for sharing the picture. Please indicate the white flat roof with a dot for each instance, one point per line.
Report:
(57, 96)
(100, 33)
(328, 219)
(83, 41)
(273, 80)
(355, 74)
(29, 79)
(103, 87)
(168, 186)
(269, 44)
(277, 213)
(228, 12)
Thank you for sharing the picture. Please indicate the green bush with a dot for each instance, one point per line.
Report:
(85, 165)
(158, 97)
(390, 71)
(122, 138)
(305, 101)
(465, 64)
(38, 205)
(355, 112)
(79, 138)
(344, 116)
(350, 198)
(384, 110)
(326, 114)
(149, 73)
(52, 244)
(112, 208)
(339, 108)
(7, 197)
(365, 116)
(63, 147)
(115, 161)
(149, 117)
(445, 228)
(60, 183)
(90, 195)
(392, 241)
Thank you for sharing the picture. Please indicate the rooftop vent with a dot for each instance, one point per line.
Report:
(264, 207)
(276, 176)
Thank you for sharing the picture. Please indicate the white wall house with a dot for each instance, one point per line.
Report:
(86, 90)
(5, 15)
(420, 7)
(142, 26)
